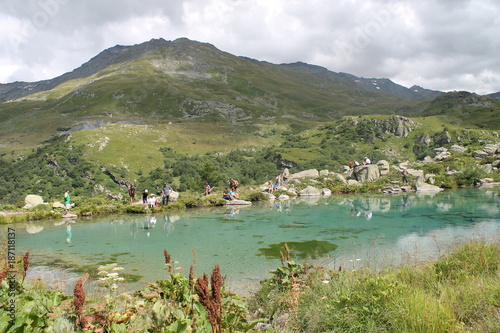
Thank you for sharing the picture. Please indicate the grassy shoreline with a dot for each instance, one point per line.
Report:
(459, 292)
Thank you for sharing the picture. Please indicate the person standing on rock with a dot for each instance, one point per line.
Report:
(131, 193)
(404, 174)
(165, 194)
(67, 201)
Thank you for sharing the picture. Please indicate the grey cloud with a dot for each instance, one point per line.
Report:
(442, 44)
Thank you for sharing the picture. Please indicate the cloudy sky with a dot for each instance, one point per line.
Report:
(438, 44)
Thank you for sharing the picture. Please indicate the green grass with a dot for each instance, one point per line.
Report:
(458, 293)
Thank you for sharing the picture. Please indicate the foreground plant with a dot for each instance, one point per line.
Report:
(458, 293)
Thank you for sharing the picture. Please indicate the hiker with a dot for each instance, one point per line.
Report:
(404, 174)
(208, 189)
(131, 193)
(145, 195)
(67, 201)
(165, 194)
(233, 184)
(286, 175)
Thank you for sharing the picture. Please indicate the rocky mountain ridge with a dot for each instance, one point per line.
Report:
(378, 85)
(119, 53)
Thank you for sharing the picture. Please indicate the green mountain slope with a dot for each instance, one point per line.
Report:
(166, 110)
(185, 81)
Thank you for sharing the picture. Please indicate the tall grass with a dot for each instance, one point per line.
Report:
(460, 292)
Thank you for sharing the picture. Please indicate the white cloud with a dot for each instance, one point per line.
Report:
(442, 45)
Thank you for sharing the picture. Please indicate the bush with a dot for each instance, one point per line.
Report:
(256, 195)
(471, 175)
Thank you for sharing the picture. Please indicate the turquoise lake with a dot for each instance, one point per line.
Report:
(348, 231)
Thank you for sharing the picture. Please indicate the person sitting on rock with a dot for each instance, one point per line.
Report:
(270, 187)
(226, 195)
(234, 195)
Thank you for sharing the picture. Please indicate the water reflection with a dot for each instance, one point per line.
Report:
(245, 241)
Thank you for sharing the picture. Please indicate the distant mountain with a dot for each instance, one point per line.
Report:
(162, 82)
(122, 54)
(415, 93)
(495, 95)
(466, 108)
(108, 57)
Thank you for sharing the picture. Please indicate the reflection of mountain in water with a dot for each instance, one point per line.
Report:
(389, 229)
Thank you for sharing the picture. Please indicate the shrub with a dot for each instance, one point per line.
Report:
(256, 195)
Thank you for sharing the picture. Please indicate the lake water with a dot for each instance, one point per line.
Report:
(348, 231)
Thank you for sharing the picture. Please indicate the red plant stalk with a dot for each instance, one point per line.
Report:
(26, 263)
(79, 297)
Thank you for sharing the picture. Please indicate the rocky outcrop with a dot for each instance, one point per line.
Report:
(492, 149)
(324, 173)
(365, 173)
(425, 140)
(310, 191)
(440, 154)
(480, 154)
(397, 125)
(443, 138)
(423, 187)
(306, 173)
(458, 148)
(383, 167)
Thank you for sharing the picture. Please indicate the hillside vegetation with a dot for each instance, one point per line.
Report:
(169, 111)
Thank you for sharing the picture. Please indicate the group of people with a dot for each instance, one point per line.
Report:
(278, 181)
(229, 192)
(366, 161)
(150, 200)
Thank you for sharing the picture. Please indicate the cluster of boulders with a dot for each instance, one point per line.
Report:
(33, 200)
(355, 176)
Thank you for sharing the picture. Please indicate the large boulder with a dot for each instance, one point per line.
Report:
(306, 173)
(58, 204)
(480, 154)
(367, 173)
(423, 187)
(326, 192)
(443, 138)
(490, 149)
(341, 178)
(425, 140)
(238, 203)
(458, 148)
(32, 200)
(174, 196)
(310, 191)
(383, 167)
(441, 154)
